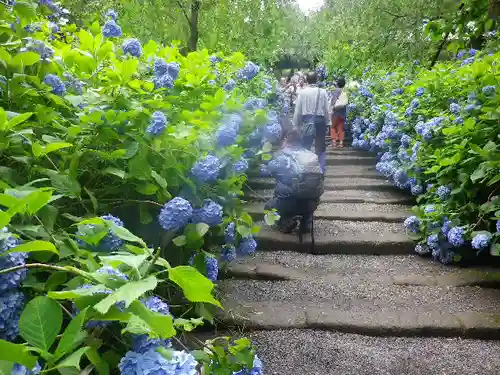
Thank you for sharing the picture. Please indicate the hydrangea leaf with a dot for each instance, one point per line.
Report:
(127, 293)
(196, 287)
(160, 324)
(16, 353)
(72, 335)
(41, 322)
(73, 360)
(33, 246)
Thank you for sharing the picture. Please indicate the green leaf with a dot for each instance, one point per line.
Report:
(202, 229)
(161, 325)
(73, 360)
(179, 241)
(100, 364)
(188, 325)
(479, 173)
(147, 189)
(127, 293)
(71, 336)
(267, 147)
(66, 185)
(6, 367)
(32, 247)
(41, 322)
(125, 234)
(78, 293)
(4, 219)
(115, 171)
(55, 279)
(26, 10)
(159, 179)
(25, 59)
(243, 230)
(128, 69)
(495, 249)
(19, 119)
(196, 287)
(16, 353)
(36, 200)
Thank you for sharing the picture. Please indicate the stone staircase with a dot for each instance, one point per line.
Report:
(362, 303)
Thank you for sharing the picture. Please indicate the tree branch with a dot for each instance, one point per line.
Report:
(183, 10)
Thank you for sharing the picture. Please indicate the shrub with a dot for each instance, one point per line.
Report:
(436, 134)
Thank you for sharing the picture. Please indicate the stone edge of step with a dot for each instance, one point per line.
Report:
(257, 212)
(402, 200)
(276, 272)
(265, 316)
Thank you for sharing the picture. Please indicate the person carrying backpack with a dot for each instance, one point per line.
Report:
(312, 116)
(299, 184)
(339, 103)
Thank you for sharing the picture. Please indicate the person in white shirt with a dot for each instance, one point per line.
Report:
(312, 116)
(339, 110)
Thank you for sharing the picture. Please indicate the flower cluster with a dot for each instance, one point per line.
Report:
(152, 362)
(422, 135)
(157, 124)
(228, 131)
(165, 73)
(58, 87)
(175, 214)
(132, 47)
(249, 71)
(207, 169)
(210, 213)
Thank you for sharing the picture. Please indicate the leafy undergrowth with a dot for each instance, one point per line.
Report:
(436, 134)
(103, 137)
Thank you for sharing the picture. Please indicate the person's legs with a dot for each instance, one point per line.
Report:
(339, 124)
(286, 208)
(307, 208)
(334, 133)
(307, 141)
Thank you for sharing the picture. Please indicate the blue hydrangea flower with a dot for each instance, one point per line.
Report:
(455, 108)
(163, 82)
(156, 304)
(415, 103)
(210, 213)
(443, 192)
(420, 91)
(157, 124)
(272, 132)
(408, 83)
(422, 249)
(429, 209)
(412, 223)
(446, 226)
(56, 83)
(226, 134)
(456, 236)
(111, 29)
(498, 225)
(41, 48)
(212, 267)
(488, 90)
(23, 370)
(446, 255)
(228, 253)
(468, 61)
(417, 189)
(206, 169)
(12, 280)
(230, 85)
(11, 304)
(230, 233)
(481, 241)
(153, 363)
(240, 166)
(249, 71)
(214, 59)
(143, 343)
(247, 246)
(458, 121)
(173, 70)
(175, 214)
(160, 67)
(132, 47)
(111, 13)
(256, 370)
(433, 241)
(397, 91)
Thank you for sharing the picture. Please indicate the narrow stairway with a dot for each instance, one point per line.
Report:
(362, 303)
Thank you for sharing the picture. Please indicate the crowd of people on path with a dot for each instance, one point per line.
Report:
(299, 172)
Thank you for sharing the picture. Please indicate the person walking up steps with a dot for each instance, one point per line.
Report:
(339, 109)
(312, 116)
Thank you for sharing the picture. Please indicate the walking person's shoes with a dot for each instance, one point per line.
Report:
(289, 225)
(305, 225)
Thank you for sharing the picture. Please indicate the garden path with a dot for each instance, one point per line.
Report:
(361, 304)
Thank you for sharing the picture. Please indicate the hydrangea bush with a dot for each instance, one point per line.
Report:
(104, 136)
(436, 135)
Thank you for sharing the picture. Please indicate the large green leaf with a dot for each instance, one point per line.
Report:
(16, 353)
(71, 336)
(41, 322)
(127, 293)
(196, 287)
(33, 246)
(25, 59)
(161, 325)
(73, 360)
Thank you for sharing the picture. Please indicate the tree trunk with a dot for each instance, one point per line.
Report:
(193, 25)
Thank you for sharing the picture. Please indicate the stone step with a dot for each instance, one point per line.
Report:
(319, 352)
(340, 159)
(334, 184)
(340, 237)
(351, 212)
(351, 152)
(345, 172)
(393, 269)
(345, 196)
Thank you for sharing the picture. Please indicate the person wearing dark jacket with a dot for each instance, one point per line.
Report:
(299, 184)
